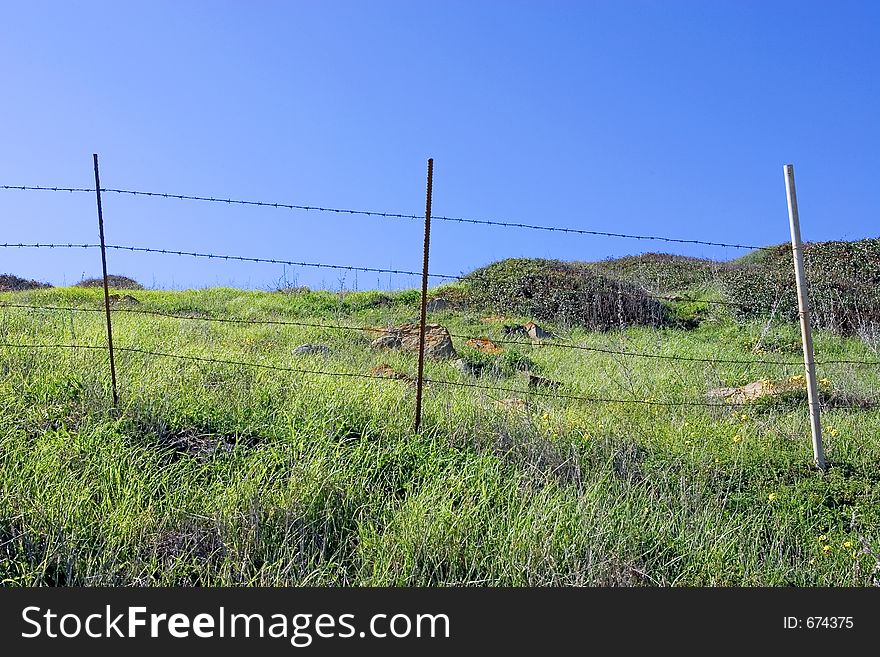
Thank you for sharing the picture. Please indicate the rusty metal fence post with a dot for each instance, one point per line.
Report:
(420, 382)
(106, 291)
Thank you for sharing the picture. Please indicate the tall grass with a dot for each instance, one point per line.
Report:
(213, 474)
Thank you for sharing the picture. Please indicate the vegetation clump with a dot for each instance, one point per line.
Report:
(844, 285)
(564, 292)
(114, 281)
(11, 283)
(662, 272)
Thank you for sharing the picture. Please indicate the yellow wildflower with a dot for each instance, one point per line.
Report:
(847, 544)
(826, 549)
(771, 497)
(823, 538)
(737, 439)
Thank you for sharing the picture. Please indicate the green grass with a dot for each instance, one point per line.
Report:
(212, 474)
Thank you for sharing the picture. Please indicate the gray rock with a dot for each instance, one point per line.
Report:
(388, 341)
(308, 349)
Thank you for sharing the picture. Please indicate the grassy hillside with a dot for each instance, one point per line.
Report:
(217, 474)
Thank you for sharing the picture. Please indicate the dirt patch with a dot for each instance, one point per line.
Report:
(386, 371)
(484, 345)
(203, 445)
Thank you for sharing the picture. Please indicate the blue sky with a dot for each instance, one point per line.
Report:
(670, 118)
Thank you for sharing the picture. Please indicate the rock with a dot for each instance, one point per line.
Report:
(438, 342)
(762, 389)
(535, 332)
(484, 345)
(388, 341)
(308, 349)
(435, 305)
(536, 381)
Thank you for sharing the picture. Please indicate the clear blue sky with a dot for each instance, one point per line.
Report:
(670, 117)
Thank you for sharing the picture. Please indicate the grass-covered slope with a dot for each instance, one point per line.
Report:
(229, 475)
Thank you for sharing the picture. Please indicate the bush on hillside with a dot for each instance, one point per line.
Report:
(114, 281)
(570, 293)
(662, 272)
(10, 283)
(843, 277)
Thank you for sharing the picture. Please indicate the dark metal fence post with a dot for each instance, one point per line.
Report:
(106, 291)
(420, 383)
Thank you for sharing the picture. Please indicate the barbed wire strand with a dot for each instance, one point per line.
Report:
(38, 245)
(398, 215)
(376, 329)
(555, 395)
(216, 256)
(633, 295)
(147, 352)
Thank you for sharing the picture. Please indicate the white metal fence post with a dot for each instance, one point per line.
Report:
(804, 312)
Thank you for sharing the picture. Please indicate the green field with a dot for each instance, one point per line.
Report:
(215, 474)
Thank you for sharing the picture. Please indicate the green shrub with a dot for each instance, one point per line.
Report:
(114, 281)
(10, 283)
(662, 272)
(843, 278)
(569, 293)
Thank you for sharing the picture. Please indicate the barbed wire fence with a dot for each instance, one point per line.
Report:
(426, 275)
